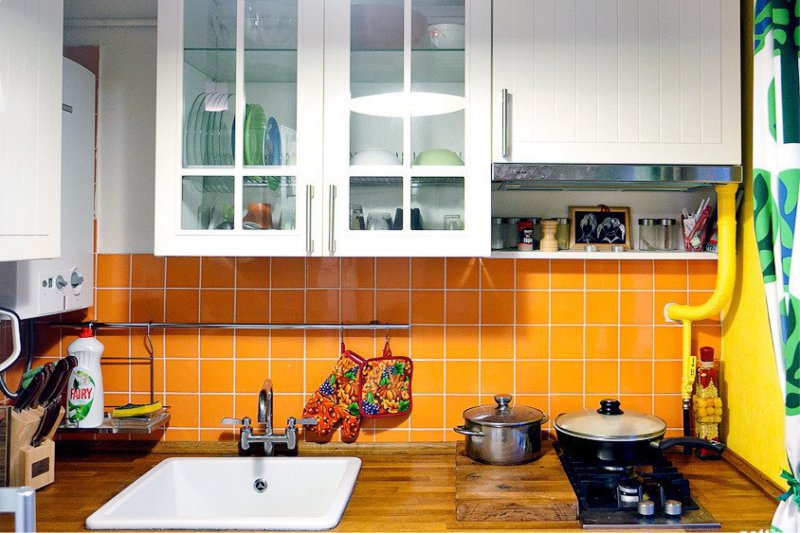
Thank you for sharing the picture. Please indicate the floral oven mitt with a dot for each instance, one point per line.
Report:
(385, 388)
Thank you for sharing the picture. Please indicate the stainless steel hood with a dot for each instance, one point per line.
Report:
(531, 176)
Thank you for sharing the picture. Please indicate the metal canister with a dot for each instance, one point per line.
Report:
(498, 234)
(562, 233)
(511, 232)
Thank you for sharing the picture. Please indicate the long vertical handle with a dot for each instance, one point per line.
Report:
(504, 126)
(331, 208)
(309, 241)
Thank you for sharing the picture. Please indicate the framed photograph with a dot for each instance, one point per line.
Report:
(600, 225)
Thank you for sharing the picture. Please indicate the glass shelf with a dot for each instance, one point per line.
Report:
(430, 66)
(263, 65)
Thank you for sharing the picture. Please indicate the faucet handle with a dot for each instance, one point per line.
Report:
(292, 422)
(237, 421)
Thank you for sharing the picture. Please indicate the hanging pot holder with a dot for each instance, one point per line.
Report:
(385, 385)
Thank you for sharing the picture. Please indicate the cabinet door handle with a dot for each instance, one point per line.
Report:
(504, 125)
(331, 208)
(309, 241)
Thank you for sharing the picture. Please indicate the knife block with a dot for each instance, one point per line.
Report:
(23, 428)
(38, 464)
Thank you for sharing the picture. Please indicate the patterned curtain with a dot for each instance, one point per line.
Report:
(776, 175)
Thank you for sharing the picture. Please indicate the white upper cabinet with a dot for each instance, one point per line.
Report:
(31, 43)
(616, 81)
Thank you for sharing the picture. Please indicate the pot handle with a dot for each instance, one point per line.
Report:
(689, 442)
(462, 430)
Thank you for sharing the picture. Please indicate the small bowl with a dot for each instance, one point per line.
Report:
(374, 156)
(446, 36)
(438, 157)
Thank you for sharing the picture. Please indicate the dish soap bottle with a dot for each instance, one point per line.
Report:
(707, 405)
(85, 406)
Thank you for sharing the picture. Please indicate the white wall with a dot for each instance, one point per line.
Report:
(125, 135)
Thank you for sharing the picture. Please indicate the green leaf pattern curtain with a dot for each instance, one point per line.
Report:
(776, 174)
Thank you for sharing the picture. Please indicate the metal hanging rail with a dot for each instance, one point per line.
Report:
(226, 325)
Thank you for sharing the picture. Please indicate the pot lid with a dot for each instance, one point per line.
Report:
(610, 423)
(502, 414)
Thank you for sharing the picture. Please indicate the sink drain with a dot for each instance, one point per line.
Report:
(260, 485)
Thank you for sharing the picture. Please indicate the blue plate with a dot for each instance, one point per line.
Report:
(272, 142)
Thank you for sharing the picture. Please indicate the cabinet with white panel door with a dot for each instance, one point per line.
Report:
(616, 81)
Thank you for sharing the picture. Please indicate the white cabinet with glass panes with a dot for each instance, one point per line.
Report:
(239, 127)
(407, 127)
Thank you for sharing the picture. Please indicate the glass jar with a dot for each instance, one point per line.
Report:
(666, 236)
(648, 234)
(512, 232)
(562, 233)
(525, 243)
(706, 402)
(498, 234)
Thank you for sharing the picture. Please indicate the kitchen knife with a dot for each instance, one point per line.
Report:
(46, 424)
(58, 380)
(47, 371)
(29, 393)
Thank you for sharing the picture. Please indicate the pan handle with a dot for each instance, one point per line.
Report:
(462, 430)
(690, 442)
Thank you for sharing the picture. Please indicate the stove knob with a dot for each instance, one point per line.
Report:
(647, 508)
(673, 508)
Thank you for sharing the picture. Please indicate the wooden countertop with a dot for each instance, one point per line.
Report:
(401, 487)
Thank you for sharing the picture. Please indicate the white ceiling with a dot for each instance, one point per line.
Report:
(110, 9)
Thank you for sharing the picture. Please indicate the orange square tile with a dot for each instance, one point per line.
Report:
(217, 435)
(566, 377)
(668, 342)
(286, 343)
(217, 272)
(216, 343)
(642, 403)
(601, 342)
(216, 375)
(213, 408)
(707, 335)
(47, 340)
(322, 344)
(183, 272)
(427, 307)
(462, 273)
(636, 308)
(424, 435)
(391, 422)
(183, 305)
(461, 377)
(252, 344)
(564, 404)
(288, 272)
(285, 405)
(182, 375)
(670, 409)
(361, 342)
(462, 342)
(454, 410)
(216, 306)
(427, 273)
(532, 342)
(667, 377)
(702, 275)
(601, 377)
(533, 274)
(602, 275)
(533, 307)
(670, 275)
(567, 274)
(140, 376)
(147, 305)
(183, 410)
(392, 273)
(250, 374)
(317, 370)
(532, 377)
(358, 306)
(427, 412)
(181, 342)
(497, 273)
(602, 307)
(113, 270)
(427, 342)
(392, 306)
(116, 376)
(497, 377)
(566, 342)
(181, 435)
(497, 342)
(662, 298)
(461, 307)
(399, 341)
(323, 273)
(358, 272)
(322, 306)
(391, 435)
(497, 307)
(113, 304)
(636, 377)
(567, 307)
(428, 377)
(287, 307)
(252, 272)
(147, 271)
(287, 375)
(636, 275)
(636, 342)
(252, 306)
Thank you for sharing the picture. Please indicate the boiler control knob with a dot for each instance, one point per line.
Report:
(60, 282)
(647, 508)
(673, 508)
(76, 280)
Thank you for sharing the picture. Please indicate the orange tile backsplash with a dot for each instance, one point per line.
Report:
(559, 335)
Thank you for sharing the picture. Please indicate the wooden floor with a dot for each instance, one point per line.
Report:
(400, 488)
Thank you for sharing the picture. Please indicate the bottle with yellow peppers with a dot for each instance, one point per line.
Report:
(706, 403)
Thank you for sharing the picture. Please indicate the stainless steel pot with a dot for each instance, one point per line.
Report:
(502, 434)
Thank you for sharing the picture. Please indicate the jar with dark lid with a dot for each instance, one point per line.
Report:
(525, 243)
(511, 232)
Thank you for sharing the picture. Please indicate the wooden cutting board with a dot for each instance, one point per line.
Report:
(533, 492)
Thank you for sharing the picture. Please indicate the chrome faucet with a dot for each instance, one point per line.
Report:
(269, 438)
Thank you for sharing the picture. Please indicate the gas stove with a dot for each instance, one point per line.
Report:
(651, 494)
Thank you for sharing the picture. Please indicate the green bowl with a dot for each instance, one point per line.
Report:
(438, 157)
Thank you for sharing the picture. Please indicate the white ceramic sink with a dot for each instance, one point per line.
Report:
(220, 493)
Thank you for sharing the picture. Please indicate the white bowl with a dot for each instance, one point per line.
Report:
(446, 36)
(374, 156)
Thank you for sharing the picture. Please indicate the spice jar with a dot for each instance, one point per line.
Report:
(536, 223)
(648, 238)
(511, 232)
(525, 236)
(665, 234)
(498, 234)
(562, 233)
(706, 403)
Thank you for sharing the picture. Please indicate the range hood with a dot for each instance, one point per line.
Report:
(534, 176)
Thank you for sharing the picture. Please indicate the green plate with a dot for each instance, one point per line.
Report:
(255, 127)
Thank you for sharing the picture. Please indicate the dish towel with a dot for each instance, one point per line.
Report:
(337, 399)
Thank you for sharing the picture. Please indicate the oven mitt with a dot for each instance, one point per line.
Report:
(337, 399)
(385, 385)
